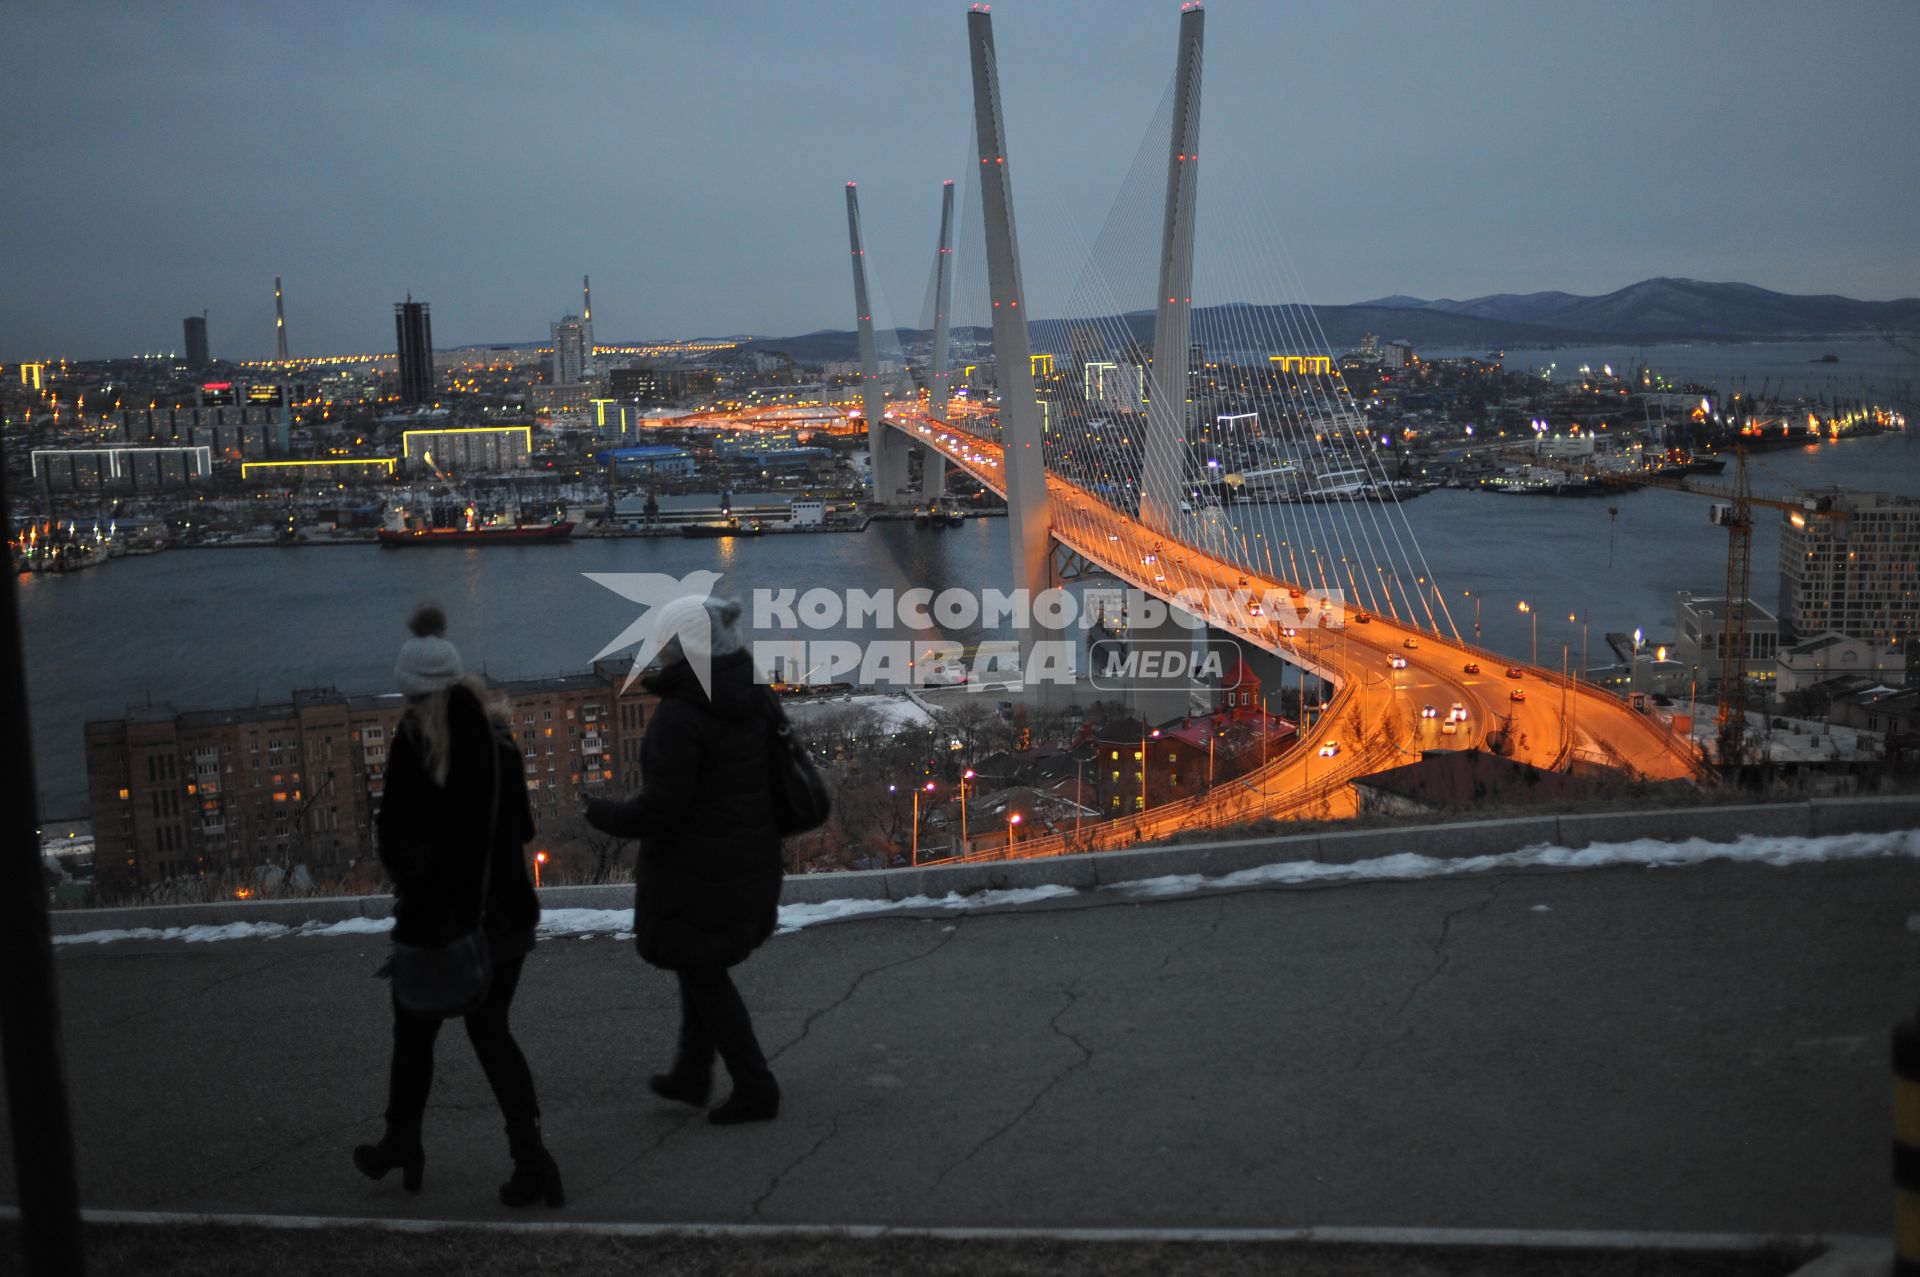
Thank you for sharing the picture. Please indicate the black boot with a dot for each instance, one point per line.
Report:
(535, 1177)
(754, 1099)
(683, 1086)
(396, 1148)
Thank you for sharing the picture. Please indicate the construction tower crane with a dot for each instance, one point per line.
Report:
(1737, 518)
(1733, 510)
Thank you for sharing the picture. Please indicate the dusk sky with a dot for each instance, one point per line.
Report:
(165, 158)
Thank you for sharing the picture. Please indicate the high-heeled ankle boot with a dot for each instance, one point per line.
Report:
(535, 1177)
(396, 1148)
(684, 1086)
(754, 1099)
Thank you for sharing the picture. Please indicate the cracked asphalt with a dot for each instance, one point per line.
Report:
(1697, 1050)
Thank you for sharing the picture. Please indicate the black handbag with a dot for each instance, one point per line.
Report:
(453, 979)
(800, 800)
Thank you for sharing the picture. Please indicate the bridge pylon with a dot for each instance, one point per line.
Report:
(933, 463)
(886, 449)
(1163, 478)
(1029, 525)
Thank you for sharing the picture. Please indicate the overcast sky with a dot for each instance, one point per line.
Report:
(164, 158)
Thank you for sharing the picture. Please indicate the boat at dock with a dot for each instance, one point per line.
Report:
(936, 516)
(722, 528)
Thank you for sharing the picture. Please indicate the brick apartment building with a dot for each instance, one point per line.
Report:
(176, 795)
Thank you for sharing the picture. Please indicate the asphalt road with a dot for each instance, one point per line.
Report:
(1686, 1050)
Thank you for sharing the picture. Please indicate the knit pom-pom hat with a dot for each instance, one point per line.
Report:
(427, 663)
(691, 627)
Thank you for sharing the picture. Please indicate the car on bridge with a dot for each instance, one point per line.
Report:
(1513, 671)
(1397, 661)
(1428, 711)
(1410, 643)
(1362, 617)
(1287, 631)
(1458, 714)
(1471, 667)
(1329, 749)
(1517, 694)
(1449, 727)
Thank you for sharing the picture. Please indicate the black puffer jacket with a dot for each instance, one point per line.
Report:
(707, 883)
(431, 835)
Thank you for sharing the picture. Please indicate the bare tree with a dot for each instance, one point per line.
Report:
(580, 853)
(975, 723)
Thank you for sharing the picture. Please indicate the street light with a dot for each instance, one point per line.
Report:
(1013, 824)
(1525, 607)
(1144, 736)
(1476, 614)
(539, 859)
(914, 855)
(965, 776)
(1571, 618)
(1265, 726)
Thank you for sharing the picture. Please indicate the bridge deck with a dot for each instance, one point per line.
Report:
(1376, 720)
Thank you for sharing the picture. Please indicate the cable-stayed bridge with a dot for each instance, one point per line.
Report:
(1232, 469)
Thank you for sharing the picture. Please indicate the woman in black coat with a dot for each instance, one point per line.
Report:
(707, 882)
(454, 819)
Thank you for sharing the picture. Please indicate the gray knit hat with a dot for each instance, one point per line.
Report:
(428, 663)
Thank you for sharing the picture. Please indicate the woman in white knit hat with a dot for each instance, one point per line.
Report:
(454, 820)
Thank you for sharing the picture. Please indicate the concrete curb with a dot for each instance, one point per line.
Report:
(1845, 1250)
(1850, 1257)
(1818, 818)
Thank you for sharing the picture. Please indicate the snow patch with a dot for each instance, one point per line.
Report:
(1644, 852)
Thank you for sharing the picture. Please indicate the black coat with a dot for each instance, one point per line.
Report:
(431, 836)
(707, 883)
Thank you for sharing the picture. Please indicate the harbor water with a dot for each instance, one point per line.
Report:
(221, 627)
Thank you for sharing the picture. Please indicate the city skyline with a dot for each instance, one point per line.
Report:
(1439, 155)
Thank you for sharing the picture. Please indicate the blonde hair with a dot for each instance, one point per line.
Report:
(429, 716)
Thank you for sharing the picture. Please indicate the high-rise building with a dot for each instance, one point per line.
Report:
(572, 351)
(1851, 564)
(586, 320)
(197, 356)
(413, 331)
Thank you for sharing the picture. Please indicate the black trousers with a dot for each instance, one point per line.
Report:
(500, 1057)
(714, 1019)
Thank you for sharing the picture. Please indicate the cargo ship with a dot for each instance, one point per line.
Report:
(406, 527)
(496, 534)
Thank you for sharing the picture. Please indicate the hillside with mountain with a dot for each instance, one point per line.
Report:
(1680, 308)
(1652, 310)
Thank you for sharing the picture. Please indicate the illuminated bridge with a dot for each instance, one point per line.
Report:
(1111, 470)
